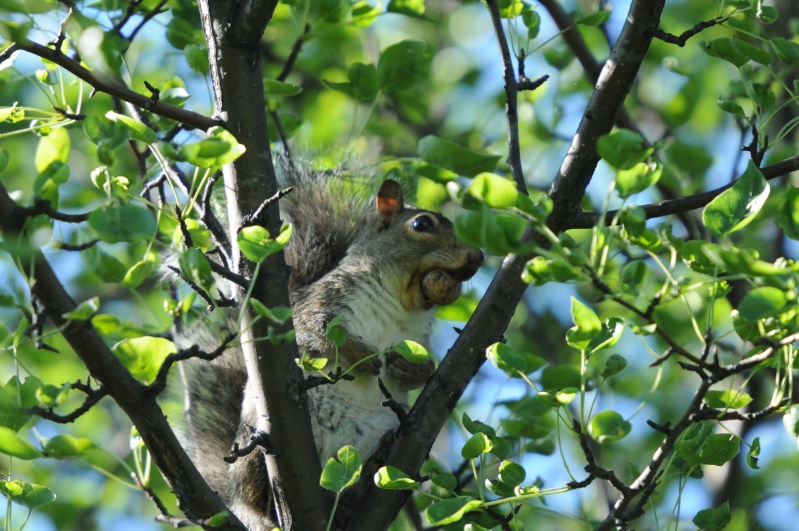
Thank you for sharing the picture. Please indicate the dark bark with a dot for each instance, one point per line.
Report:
(233, 32)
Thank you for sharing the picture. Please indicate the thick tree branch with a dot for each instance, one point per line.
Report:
(196, 499)
(612, 87)
(282, 412)
(115, 89)
(585, 220)
(490, 319)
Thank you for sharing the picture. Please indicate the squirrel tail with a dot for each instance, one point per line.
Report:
(327, 212)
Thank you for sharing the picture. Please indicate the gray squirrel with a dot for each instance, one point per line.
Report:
(382, 267)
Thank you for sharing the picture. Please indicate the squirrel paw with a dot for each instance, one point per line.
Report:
(408, 375)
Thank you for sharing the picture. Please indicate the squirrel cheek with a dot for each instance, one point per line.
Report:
(439, 287)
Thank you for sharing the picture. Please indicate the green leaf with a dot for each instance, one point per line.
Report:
(713, 519)
(451, 510)
(449, 155)
(116, 223)
(731, 107)
(753, 454)
(477, 445)
(102, 130)
(197, 58)
(412, 351)
(787, 51)
(532, 21)
(614, 365)
(594, 19)
(609, 426)
(403, 65)
(143, 356)
(50, 395)
(281, 88)
(53, 148)
(438, 475)
(335, 331)
(278, 315)
(195, 266)
(390, 478)
(364, 14)
(30, 495)
(413, 8)
(788, 217)
(724, 49)
(767, 14)
(310, 364)
(506, 359)
(16, 399)
(219, 519)
(66, 446)
(342, 471)
(141, 271)
(511, 474)
(588, 326)
(638, 178)
(15, 446)
(476, 426)
(762, 302)
(752, 52)
(362, 85)
(736, 207)
(560, 377)
(727, 399)
(257, 246)
(763, 96)
(84, 311)
(622, 149)
(493, 190)
(212, 152)
(138, 131)
(510, 8)
(719, 449)
(633, 273)
(608, 336)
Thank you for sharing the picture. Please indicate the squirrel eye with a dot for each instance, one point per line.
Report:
(423, 224)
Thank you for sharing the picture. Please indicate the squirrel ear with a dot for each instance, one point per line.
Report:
(389, 200)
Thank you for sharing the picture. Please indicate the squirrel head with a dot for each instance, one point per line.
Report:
(427, 261)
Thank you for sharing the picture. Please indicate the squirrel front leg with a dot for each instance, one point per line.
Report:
(353, 351)
(311, 323)
(408, 375)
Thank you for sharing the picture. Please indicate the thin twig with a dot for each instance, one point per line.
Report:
(92, 397)
(687, 34)
(585, 220)
(112, 88)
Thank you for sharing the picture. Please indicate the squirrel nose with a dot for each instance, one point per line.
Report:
(475, 258)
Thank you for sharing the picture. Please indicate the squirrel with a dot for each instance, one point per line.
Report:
(383, 269)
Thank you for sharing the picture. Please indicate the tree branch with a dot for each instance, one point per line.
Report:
(490, 319)
(196, 499)
(234, 56)
(184, 116)
(585, 220)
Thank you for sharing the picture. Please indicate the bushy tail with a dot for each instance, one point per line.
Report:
(328, 211)
(213, 396)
